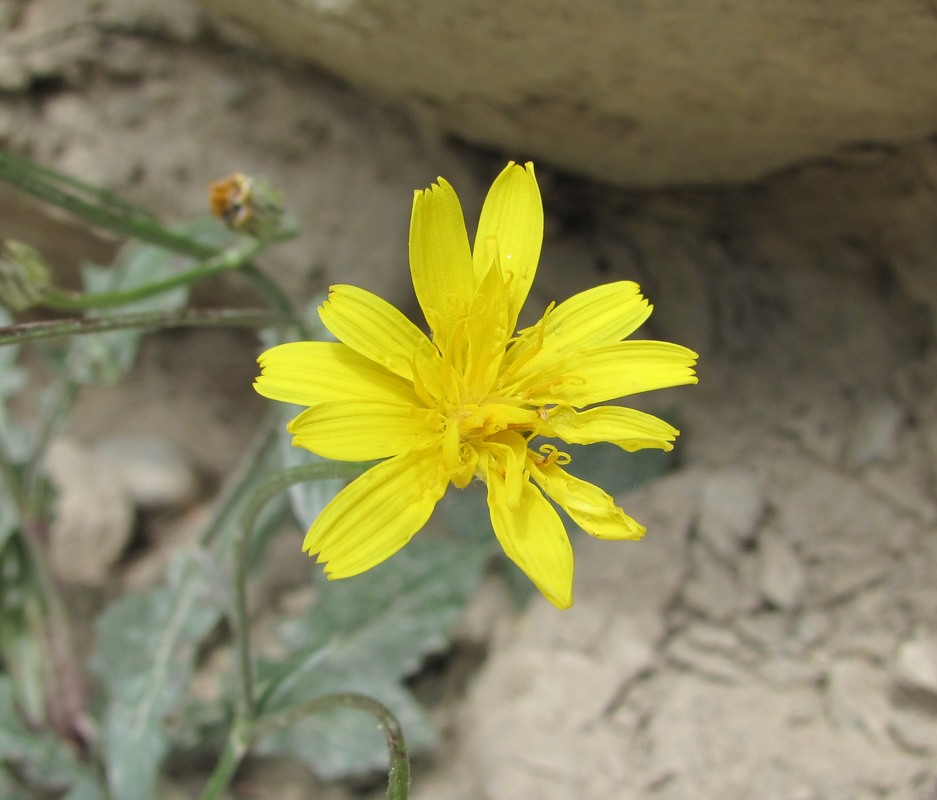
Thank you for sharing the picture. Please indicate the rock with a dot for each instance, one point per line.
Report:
(715, 653)
(154, 471)
(14, 76)
(714, 590)
(858, 698)
(916, 732)
(638, 94)
(915, 664)
(813, 627)
(784, 672)
(541, 704)
(732, 503)
(177, 19)
(782, 581)
(873, 434)
(94, 514)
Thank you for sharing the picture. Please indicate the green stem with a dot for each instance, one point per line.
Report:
(262, 494)
(243, 730)
(75, 301)
(95, 206)
(100, 207)
(239, 741)
(187, 318)
(235, 749)
(65, 394)
(398, 783)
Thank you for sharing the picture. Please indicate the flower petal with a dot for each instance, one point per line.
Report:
(359, 430)
(601, 315)
(440, 259)
(487, 331)
(372, 327)
(628, 428)
(513, 216)
(307, 373)
(376, 514)
(527, 526)
(600, 374)
(591, 508)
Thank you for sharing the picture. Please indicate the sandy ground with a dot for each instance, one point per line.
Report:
(775, 635)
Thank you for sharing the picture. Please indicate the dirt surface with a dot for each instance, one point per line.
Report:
(775, 635)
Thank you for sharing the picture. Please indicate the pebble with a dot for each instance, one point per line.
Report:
(858, 699)
(781, 579)
(874, 434)
(712, 651)
(731, 506)
(714, 589)
(714, 666)
(94, 514)
(154, 471)
(914, 731)
(14, 76)
(915, 664)
(785, 672)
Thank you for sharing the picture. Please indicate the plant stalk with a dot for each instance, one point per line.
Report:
(149, 320)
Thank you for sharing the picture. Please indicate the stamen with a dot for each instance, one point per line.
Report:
(552, 456)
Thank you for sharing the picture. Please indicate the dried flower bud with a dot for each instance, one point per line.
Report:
(247, 205)
(24, 275)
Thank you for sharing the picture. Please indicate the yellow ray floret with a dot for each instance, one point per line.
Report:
(465, 402)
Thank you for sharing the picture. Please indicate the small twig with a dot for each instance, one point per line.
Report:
(220, 317)
(78, 301)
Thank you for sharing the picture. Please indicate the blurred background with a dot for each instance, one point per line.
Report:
(767, 172)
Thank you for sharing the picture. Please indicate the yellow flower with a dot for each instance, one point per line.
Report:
(466, 403)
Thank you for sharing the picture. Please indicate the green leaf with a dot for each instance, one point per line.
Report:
(144, 658)
(23, 630)
(368, 634)
(41, 760)
(105, 357)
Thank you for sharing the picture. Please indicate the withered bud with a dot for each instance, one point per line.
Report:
(24, 275)
(247, 205)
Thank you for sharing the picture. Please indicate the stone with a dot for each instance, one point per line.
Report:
(857, 693)
(732, 503)
(915, 664)
(916, 732)
(94, 514)
(873, 434)
(639, 94)
(712, 652)
(782, 580)
(154, 471)
(714, 590)
(539, 706)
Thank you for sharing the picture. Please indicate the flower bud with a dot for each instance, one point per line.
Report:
(24, 275)
(247, 205)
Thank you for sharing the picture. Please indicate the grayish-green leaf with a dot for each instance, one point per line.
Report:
(105, 357)
(368, 634)
(15, 440)
(144, 658)
(41, 759)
